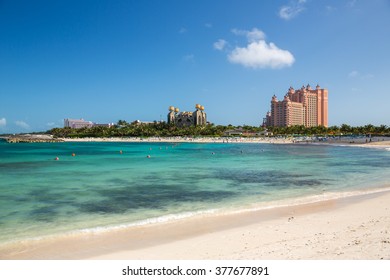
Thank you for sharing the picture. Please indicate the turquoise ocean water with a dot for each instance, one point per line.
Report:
(102, 189)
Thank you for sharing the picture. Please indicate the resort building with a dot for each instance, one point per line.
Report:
(198, 117)
(241, 132)
(81, 123)
(305, 106)
(139, 122)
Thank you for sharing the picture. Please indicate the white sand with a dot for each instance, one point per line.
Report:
(185, 139)
(266, 140)
(357, 230)
(383, 144)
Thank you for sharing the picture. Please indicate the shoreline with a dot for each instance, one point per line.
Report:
(180, 139)
(291, 232)
(379, 142)
(175, 239)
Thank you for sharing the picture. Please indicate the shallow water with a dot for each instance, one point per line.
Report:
(100, 188)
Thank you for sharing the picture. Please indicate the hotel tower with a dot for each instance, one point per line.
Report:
(305, 106)
(198, 117)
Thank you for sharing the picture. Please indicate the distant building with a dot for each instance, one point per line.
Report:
(241, 132)
(138, 122)
(234, 132)
(267, 119)
(305, 106)
(81, 123)
(198, 117)
(103, 124)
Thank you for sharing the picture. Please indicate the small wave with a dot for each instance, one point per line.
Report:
(150, 221)
(326, 196)
(111, 228)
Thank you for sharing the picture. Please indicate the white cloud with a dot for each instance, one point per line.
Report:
(3, 122)
(353, 74)
(220, 44)
(261, 55)
(258, 53)
(22, 124)
(356, 74)
(253, 35)
(182, 30)
(51, 124)
(290, 11)
(208, 25)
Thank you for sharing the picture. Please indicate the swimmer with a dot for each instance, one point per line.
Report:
(73, 154)
(56, 158)
(120, 152)
(148, 156)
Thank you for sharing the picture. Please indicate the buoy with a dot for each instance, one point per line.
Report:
(56, 158)
(148, 156)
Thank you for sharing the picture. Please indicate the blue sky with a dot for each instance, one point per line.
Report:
(110, 60)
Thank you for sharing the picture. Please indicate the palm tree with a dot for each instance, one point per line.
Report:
(333, 130)
(122, 123)
(345, 128)
(369, 128)
(382, 129)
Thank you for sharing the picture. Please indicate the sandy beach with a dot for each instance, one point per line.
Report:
(356, 227)
(351, 228)
(374, 142)
(185, 139)
(382, 142)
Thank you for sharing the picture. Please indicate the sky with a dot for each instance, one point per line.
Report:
(106, 61)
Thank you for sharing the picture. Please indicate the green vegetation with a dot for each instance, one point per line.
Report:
(162, 129)
(344, 129)
(123, 129)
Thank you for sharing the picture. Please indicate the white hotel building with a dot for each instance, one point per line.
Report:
(81, 123)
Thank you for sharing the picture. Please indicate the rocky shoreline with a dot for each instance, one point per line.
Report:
(32, 138)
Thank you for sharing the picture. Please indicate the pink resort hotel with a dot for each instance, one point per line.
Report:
(305, 106)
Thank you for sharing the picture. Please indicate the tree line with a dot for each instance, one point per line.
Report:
(344, 129)
(123, 129)
(163, 129)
